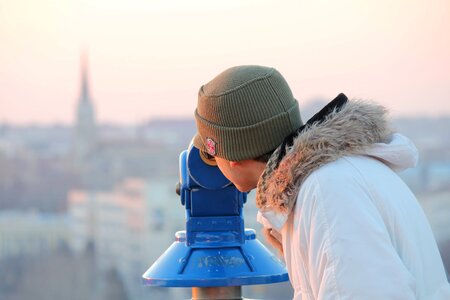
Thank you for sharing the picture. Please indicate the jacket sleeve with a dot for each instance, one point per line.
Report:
(348, 251)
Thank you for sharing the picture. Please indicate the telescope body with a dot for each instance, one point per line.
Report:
(215, 250)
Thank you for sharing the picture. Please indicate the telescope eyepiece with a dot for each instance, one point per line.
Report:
(208, 158)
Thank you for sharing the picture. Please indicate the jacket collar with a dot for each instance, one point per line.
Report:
(336, 131)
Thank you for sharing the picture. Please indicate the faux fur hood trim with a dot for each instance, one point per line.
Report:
(348, 131)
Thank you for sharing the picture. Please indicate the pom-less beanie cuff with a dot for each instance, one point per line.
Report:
(245, 112)
(240, 143)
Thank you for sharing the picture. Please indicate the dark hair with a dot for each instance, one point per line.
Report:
(262, 158)
(265, 157)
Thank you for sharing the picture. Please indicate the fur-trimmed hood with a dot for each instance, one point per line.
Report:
(357, 128)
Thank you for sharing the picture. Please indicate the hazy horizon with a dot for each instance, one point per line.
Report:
(150, 119)
(147, 59)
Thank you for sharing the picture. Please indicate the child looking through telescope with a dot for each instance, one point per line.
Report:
(327, 192)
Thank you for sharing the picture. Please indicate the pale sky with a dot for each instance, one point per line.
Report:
(147, 59)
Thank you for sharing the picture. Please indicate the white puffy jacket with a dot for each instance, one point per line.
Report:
(357, 232)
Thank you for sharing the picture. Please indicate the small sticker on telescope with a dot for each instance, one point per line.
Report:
(211, 146)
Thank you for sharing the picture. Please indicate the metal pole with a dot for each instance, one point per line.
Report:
(217, 293)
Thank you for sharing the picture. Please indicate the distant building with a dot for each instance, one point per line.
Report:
(103, 156)
(82, 212)
(31, 234)
(85, 135)
(128, 227)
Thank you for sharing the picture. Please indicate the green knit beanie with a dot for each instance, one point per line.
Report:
(245, 112)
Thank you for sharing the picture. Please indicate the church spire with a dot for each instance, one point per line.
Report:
(85, 127)
(84, 96)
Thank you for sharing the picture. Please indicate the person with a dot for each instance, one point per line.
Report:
(327, 191)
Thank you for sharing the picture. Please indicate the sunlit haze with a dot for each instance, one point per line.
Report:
(147, 59)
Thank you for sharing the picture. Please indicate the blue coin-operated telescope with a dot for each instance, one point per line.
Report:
(215, 255)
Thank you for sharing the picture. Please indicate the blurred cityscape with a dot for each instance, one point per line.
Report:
(86, 209)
